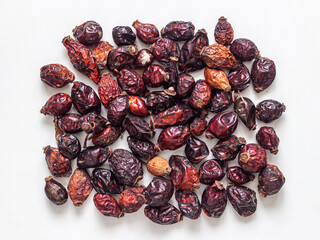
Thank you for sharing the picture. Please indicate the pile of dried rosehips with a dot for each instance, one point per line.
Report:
(180, 110)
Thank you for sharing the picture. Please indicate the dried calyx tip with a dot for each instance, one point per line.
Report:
(219, 185)
(48, 178)
(283, 107)
(203, 31)
(170, 91)
(222, 18)
(242, 140)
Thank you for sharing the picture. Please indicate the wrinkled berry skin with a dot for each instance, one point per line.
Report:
(147, 33)
(184, 174)
(246, 111)
(190, 59)
(144, 58)
(189, 204)
(172, 73)
(118, 110)
(93, 156)
(81, 58)
(100, 54)
(201, 95)
(58, 165)
(159, 101)
(108, 89)
(239, 78)
(217, 79)
(88, 33)
(198, 126)
(172, 138)
(165, 50)
(221, 101)
(69, 146)
(268, 139)
(84, 98)
(214, 200)
(108, 136)
(243, 200)
(70, 123)
(131, 199)
(244, 50)
(263, 73)
(56, 75)
(196, 150)
(211, 171)
(104, 181)
(238, 176)
(154, 76)
(271, 180)
(122, 57)
(79, 187)
(138, 107)
(222, 125)
(131, 82)
(164, 215)
(107, 205)
(185, 85)
(126, 167)
(92, 123)
(55, 192)
(123, 35)
(178, 31)
(228, 148)
(57, 105)
(218, 56)
(158, 192)
(269, 110)
(139, 128)
(223, 33)
(143, 149)
(252, 158)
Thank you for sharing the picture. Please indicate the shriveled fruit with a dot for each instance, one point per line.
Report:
(218, 56)
(79, 186)
(131, 199)
(271, 180)
(223, 32)
(57, 105)
(56, 75)
(252, 158)
(164, 215)
(158, 192)
(55, 192)
(158, 166)
(107, 205)
(172, 138)
(108, 89)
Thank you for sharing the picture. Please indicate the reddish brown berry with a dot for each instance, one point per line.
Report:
(122, 57)
(223, 33)
(211, 171)
(244, 49)
(158, 192)
(143, 149)
(144, 58)
(56, 75)
(228, 148)
(246, 111)
(108, 136)
(70, 123)
(155, 76)
(57, 105)
(79, 187)
(165, 50)
(118, 110)
(107, 205)
(147, 33)
(263, 73)
(131, 82)
(238, 176)
(132, 199)
(218, 56)
(108, 89)
(55, 192)
(88, 33)
(196, 150)
(138, 107)
(58, 165)
(100, 54)
(269, 110)
(271, 180)
(172, 138)
(222, 125)
(189, 204)
(268, 139)
(164, 215)
(201, 95)
(252, 158)
(178, 30)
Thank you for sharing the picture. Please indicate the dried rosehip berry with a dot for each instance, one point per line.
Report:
(84, 98)
(172, 138)
(138, 107)
(184, 174)
(69, 146)
(242, 199)
(93, 123)
(81, 58)
(58, 165)
(165, 50)
(55, 192)
(198, 126)
(107, 205)
(196, 150)
(123, 35)
(217, 79)
(56, 75)
(147, 33)
(252, 158)
(126, 167)
(222, 125)
(154, 75)
(268, 139)
(88, 33)
(118, 110)
(223, 33)
(214, 200)
(158, 192)
(108, 89)
(108, 136)
(139, 128)
(271, 180)
(131, 82)
(70, 123)
(228, 148)
(172, 72)
(122, 57)
(143, 149)
(218, 56)
(164, 215)
(100, 54)
(178, 30)
(93, 156)
(104, 181)
(269, 110)
(211, 171)
(201, 95)
(79, 187)
(144, 58)
(158, 166)
(244, 50)
(221, 101)
(185, 85)
(239, 78)
(239, 176)
(159, 101)
(131, 199)
(189, 204)
(246, 111)
(57, 105)
(190, 59)
(263, 73)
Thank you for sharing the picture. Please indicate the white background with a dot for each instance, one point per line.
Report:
(30, 37)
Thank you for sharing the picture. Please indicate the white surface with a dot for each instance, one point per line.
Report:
(31, 34)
